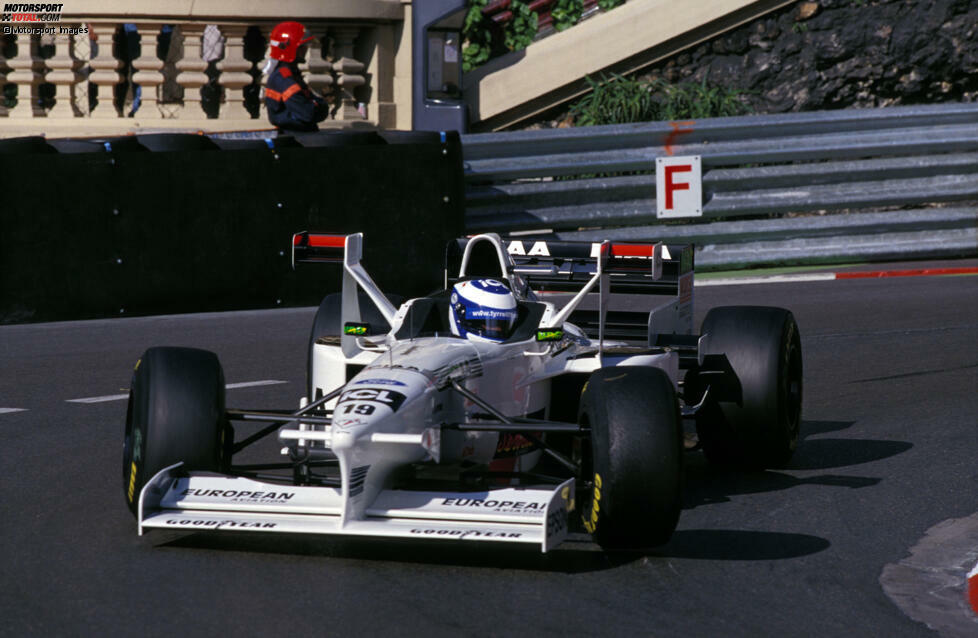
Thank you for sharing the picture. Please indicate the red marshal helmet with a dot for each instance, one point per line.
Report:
(286, 39)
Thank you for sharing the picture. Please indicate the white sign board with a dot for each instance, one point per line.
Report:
(678, 187)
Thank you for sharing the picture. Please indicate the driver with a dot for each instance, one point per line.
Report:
(482, 310)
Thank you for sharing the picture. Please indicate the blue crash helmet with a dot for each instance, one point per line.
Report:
(482, 310)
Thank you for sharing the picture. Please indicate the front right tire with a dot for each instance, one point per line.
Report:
(176, 414)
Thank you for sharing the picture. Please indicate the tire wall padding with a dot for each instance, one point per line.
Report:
(100, 234)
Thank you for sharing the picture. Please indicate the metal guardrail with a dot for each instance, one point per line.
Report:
(760, 173)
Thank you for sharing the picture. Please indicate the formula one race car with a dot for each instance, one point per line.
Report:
(528, 388)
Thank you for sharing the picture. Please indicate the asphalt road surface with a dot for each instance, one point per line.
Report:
(889, 451)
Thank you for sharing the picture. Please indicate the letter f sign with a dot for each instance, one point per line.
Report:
(679, 188)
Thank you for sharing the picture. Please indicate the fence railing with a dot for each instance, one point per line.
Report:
(112, 67)
(798, 188)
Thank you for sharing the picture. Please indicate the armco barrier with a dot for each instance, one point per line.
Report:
(759, 173)
(125, 230)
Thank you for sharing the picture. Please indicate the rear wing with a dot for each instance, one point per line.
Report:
(539, 267)
(566, 266)
(317, 248)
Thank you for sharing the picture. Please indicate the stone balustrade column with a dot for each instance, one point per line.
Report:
(349, 71)
(81, 51)
(319, 76)
(234, 74)
(147, 74)
(25, 76)
(105, 71)
(3, 78)
(191, 69)
(63, 75)
(266, 32)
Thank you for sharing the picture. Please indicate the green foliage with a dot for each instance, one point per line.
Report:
(799, 27)
(698, 101)
(620, 100)
(614, 101)
(566, 13)
(520, 32)
(482, 39)
(476, 36)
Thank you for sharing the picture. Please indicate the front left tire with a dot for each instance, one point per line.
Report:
(176, 414)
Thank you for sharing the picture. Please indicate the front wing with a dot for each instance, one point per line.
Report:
(193, 501)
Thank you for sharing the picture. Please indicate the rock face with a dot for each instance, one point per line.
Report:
(842, 53)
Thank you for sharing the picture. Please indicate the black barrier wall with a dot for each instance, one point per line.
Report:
(134, 231)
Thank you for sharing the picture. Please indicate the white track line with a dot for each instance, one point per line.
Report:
(109, 397)
(9, 410)
(251, 384)
(773, 279)
(120, 397)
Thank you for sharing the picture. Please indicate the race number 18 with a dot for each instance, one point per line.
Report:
(678, 187)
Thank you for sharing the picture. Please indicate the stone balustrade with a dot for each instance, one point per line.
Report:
(122, 66)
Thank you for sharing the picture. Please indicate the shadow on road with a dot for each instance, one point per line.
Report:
(706, 484)
(811, 428)
(822, 454)
(725, 544)
(577, 555)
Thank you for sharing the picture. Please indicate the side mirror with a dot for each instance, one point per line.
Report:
(357, 329)
(550, 334)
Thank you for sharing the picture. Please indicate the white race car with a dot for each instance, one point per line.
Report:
(488, 411)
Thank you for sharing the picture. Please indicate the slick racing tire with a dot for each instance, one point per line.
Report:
(329, 323)
(176, 413)
(754, 419)
(636, 457)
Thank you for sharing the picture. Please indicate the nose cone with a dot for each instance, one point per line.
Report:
(372, 397)
(345, 438)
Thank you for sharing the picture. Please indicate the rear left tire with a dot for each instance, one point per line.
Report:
(755, 422)
(329, 323)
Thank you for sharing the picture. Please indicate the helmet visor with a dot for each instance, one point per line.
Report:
(491, 323)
